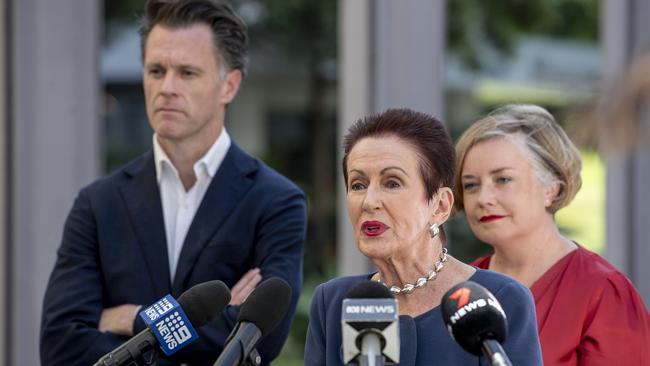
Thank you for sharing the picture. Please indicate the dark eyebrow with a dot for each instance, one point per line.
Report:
(383, 171)
(358, 172)
(191, 67)
(181, 66)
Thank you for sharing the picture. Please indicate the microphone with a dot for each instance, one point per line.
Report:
(370, 326)
(169, 326)
(259, 314)
(476, 320)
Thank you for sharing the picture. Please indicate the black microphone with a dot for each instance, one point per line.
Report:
(259, 314)
(370, 325)
(476, 320)
(200, 303)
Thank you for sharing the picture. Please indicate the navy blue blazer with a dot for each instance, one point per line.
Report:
(114, 252)
(424, 340)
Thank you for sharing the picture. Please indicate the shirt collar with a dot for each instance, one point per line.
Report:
(209, 163)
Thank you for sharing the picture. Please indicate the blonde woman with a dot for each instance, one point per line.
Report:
(515, 169)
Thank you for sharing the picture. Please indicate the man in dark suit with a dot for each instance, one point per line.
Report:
(195, 208)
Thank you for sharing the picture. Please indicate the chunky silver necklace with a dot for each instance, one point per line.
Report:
(408, 288)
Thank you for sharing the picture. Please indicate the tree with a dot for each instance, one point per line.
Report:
(475, 24)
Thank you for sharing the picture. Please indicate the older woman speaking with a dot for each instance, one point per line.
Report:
(399, 168)
(516, 168)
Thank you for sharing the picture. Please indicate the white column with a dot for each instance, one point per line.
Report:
(353, 103)
(408, 41)
(4, 124)
(390, 55)
(55, 146)
(625, 33)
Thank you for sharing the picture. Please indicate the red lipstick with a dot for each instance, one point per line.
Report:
(490, 218)
(373, 228)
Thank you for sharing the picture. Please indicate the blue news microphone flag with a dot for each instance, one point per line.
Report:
(169, 324)
(168, 319)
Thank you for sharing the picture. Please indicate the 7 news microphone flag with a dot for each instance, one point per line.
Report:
(476, 320)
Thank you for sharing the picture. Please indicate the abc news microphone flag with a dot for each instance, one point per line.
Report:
(370, 325)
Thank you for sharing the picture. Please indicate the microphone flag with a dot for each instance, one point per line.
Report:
(168, 322)
(360, 316)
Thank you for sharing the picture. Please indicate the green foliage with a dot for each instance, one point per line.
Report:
(123, 10)
(583, 220)
(473, 25)
(463, 244)
(305, 29)
(293, 351)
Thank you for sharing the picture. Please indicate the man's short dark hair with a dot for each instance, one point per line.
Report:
(228, 29)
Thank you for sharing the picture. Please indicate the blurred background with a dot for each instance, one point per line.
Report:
(72, 110)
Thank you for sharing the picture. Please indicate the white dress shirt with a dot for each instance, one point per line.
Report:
(180, 206)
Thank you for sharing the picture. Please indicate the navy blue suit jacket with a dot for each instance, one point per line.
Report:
(424, 340)
(114, 252)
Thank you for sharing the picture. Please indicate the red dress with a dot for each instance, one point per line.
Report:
(588, 313)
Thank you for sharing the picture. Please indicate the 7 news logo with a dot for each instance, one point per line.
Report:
(465, 304)
(462, 295)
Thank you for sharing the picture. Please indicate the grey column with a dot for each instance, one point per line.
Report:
(408, 47)
(4, 123)
(391, 55)
(353, 103)
(55, 146)
(625, 34)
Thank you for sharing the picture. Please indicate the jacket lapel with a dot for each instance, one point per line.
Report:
(229, 184)
(142, 199)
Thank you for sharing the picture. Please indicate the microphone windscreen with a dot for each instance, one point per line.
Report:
(472, 314)
(204, 301)
(267, 304)
(369, 290)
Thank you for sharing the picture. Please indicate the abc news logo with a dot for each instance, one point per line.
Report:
(370, 309)
(373, 310)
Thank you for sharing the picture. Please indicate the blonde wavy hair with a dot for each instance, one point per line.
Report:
(554, 157)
